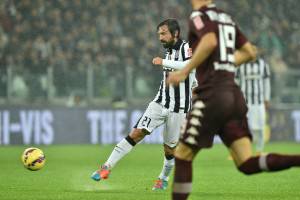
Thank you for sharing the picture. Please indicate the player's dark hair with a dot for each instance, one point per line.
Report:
(172, 25)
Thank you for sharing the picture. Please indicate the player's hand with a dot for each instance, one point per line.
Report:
(255, 50)
(176, 77)
(157, 61)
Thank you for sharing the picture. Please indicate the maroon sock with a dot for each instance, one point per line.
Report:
(182, 179)
(277, 162)
(178, 196)
(250, 166)
(271, 162)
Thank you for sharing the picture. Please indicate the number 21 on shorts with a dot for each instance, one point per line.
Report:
(146, 121)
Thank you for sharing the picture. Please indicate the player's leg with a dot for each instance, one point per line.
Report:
(248, 164)
(151, 118)
(120, 150)
(256, 120)
(182, 186)
(261, 134)
(258, 137)
(236, 135)
(195, 136)
(162, 182)
(241, 150)
(147, 123)
(125, 146)
(171, 137)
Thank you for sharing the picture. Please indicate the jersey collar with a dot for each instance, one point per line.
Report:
(177, 45)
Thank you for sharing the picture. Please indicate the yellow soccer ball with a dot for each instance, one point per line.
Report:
(33, 158)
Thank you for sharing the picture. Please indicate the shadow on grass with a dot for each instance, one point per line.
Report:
(242, 196)
(121, 191)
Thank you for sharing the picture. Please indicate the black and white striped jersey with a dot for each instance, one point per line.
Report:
(254, 80)
(176, 98)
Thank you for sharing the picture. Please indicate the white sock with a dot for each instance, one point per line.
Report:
(260, 142)
(120, 150)
(167, 168)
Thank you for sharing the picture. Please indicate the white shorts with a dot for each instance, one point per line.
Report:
(256, 116)
(156, 115)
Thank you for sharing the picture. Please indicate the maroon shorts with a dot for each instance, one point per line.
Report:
(216, 112)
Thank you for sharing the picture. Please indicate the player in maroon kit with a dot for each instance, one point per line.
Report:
(219, 106)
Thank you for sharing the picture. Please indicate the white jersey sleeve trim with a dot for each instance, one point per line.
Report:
(174, 64)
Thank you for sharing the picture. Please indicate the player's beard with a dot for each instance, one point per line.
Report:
(168, 45)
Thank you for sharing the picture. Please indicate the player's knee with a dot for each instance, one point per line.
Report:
(169, 155)
(248, 167)
(137, 135)
(184, 152)
(169, 151)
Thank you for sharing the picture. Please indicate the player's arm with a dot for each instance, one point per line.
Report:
(205, 47)
(174, 64)
(246, 53)
(186, 53)
(267, 86)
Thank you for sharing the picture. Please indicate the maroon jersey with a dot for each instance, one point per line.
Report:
(218, 69)
(219, 106)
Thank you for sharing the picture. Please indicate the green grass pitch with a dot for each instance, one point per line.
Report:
(66, 175)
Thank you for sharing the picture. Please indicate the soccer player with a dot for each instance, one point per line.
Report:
(254, 80)
(169, 107)
(219, 106)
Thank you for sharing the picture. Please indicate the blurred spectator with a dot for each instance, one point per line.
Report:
(277, 63)
(77, 98)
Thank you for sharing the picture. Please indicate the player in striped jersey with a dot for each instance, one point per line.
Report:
(169, 107)
(254, 80)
